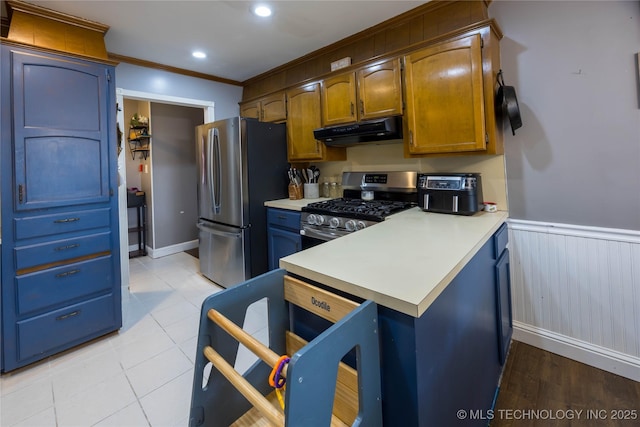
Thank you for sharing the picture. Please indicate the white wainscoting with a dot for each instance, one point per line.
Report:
(576, 292)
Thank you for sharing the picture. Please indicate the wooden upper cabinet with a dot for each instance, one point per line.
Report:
(339, 99)
(371, 92)
(445, 98)
(380, 90)
(274, 107)
(250, 110)
(271, 108)
(303, 105)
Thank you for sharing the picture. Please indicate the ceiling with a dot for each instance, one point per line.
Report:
(238, 44)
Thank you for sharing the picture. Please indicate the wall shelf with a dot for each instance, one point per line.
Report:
(139, 140)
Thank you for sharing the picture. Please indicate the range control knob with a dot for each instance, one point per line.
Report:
(360, 225)
(311, 219)
(350, 225)
(334, 222)
(319, 220)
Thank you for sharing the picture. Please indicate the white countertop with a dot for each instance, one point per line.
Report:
(292, 205)
(402, 263)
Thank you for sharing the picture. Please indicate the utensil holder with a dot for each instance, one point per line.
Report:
(311, 191)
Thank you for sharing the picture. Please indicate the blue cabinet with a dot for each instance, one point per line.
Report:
(283, 234)
(60, 251)
(504, 314)
(452, 356)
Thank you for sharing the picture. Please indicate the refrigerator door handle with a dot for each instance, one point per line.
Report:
(217, 232)
(215, 169)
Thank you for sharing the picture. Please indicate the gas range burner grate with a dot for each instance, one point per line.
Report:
(373, 210)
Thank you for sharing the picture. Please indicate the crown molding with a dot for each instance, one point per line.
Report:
(176, 70)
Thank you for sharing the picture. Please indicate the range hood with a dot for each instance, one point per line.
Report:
(377, 131)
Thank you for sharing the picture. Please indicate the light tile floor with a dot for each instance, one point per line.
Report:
(139, 376)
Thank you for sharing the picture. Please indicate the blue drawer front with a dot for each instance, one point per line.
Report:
(500, 240)
(57, 285)
(45, 225)
(283, 219)
(42, 334)
(60, 250)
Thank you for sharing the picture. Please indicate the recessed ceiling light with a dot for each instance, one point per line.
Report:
(262, 10)
(198, 54)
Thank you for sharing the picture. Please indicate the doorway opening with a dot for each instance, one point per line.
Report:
(163, 169)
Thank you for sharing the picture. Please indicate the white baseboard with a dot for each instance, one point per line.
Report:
(584, 352)
(173, 249)
(168, 250)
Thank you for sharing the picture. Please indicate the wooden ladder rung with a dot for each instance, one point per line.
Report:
(325, 304)
(244, 387)
(267, 355)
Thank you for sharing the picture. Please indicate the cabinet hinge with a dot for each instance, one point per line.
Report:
(481, 42)
(108, 75)
(111, 192)
(486, 138)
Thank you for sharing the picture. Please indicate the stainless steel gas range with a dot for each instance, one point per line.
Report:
(368, 198)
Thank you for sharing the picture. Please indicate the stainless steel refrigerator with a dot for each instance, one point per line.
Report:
(242, 163)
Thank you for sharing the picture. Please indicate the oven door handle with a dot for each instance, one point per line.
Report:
(315, 234)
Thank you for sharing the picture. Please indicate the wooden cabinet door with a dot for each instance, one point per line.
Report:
(61, 131)
(380, 90)
(339, 99)
(274, 107)
(444, 93)
(250, 110)
(303, 105)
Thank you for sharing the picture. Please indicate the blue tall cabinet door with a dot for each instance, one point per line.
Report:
(60, 239)
(60, 131)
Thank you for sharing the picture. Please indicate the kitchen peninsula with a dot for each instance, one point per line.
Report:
(441, 284)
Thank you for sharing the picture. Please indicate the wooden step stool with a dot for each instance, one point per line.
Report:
(320, 389)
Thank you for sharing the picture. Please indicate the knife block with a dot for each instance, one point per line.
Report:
(295, 191)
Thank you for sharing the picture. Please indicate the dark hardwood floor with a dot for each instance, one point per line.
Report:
(540, 388)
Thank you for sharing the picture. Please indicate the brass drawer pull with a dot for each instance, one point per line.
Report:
(64, 248)
(68, 273)
(68, 315)
(60, 221)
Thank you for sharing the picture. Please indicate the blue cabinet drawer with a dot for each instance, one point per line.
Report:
(66, 326)
(54, 286)
(52, 253)
(500, 240)
(283, 219)
(46, 225)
